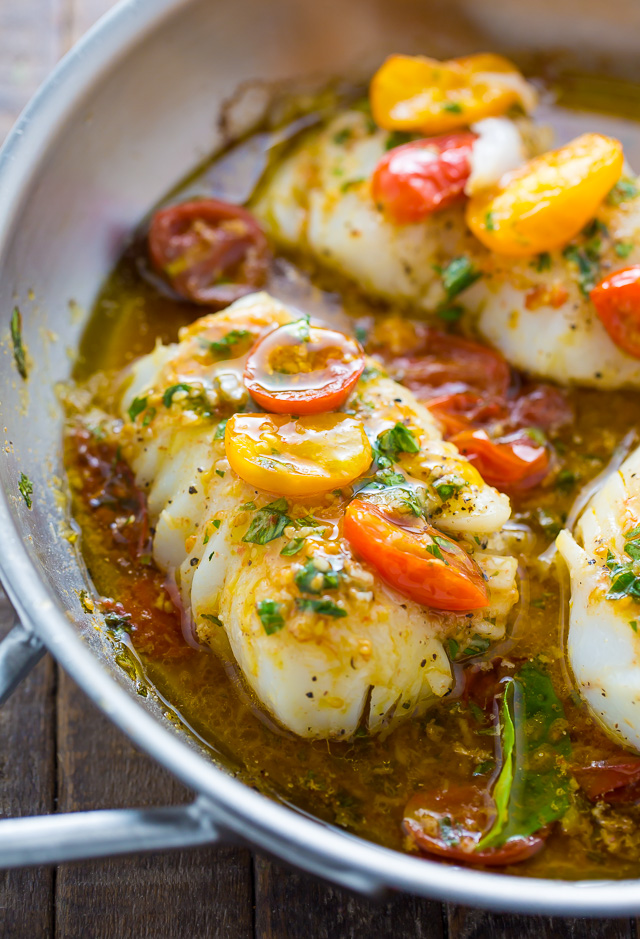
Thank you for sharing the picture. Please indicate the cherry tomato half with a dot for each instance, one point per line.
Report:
(450, 823)
(418, 178)
(303, 369)
(297, 456)
(211, 252)
(449, 364)
(422, 564)
(617, 303)
(615, 780)
(511, 463)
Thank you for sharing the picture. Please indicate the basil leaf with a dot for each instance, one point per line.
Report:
(588, 266)
(270, 616)
(222, 347)
(624, 190)
(220, 429)
(18, 347)
(533, 786)
(310, 580)
(268, 523)
(398, 439)
(321, 607)
(396, 139)
(167, 397)
(293, 547)
(458, 275)
(137, 406)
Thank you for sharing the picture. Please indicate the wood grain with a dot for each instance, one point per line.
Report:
(219, 893)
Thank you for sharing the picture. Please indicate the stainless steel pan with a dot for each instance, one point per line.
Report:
(124, 116)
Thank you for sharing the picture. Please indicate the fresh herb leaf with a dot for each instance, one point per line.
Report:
(449, 832)
(167, 397)
(350, 183)
(484, 768)
(542, 262)
(268, 523)
(311, 580)
(623, 248)
(566, 480)
(448, 486)
(588, 267)
(19, 356)
(248, 507)
(26, 489)
(435, 551)
(450, 313)
(533, 787)
(458, 275)
(452, 107)
(624, 190)
(398, 439)
(220, 429)
(118, 625)
(137, 406)
(293, 547)
(341, 136)
(222, 348)
(212, 619)
(270, 616)
(321, 607)
(396, 139)
(489, 221)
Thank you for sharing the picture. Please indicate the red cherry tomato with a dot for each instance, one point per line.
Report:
(617, 303)
(460, 411)
(541, 406)
(422, 564)
(211, 252)
(450, 364)
(615, 780)
(303, 369)
(511, 463)
(450, 823)
(414, 180)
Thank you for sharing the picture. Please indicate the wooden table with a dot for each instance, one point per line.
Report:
(58, 753)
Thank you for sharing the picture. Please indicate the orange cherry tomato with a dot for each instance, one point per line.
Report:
(412, 92)
(301, 456)
(414, 180)
(422, 564)
(211, 252)
(617, 303)
(542, 205)
(303, 369)
(510, 463)
(450, 823)
(614, 780)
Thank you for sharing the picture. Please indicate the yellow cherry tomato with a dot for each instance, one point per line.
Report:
(301, 456)
(414, 93)
(545, 203)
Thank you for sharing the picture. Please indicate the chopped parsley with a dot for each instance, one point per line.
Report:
(625, 575)
(588, 265)
(624, 190)
(350, 183)
(398, 439)
(452, 107)
(477, 645)
(18, 347)
(137, 406)
(342, 136)
(321, 607)
(26, 489)
(212, 619)
(167, 397)
(219, 434)
(458, 275)
(270, 616)
(293, 547)
(118, 625)
(623, 249)
(566, 480)
(396, 139)
(542, 262)
(311, 580)
(489, 221)
(448, 486)
(482, 769)
(268, 523)
(222, 347)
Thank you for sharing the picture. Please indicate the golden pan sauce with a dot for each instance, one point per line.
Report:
(362, 785)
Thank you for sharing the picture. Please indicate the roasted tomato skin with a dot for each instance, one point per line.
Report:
(514, 463)
(211, 252)
(614, 780)
(402, 558)
(418, 178)
(467, 812)
(287, 374)
(617, 302)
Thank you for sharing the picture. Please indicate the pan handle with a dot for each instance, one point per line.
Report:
(20, 650)
(79, 836)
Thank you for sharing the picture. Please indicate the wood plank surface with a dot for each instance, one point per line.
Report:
(58, 751)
